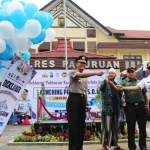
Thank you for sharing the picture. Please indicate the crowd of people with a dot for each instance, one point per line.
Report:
(136, 105)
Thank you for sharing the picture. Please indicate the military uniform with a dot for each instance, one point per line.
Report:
(76, 104)
(24, 105)
(135, 110)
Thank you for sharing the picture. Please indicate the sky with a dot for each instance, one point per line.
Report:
(118, 14)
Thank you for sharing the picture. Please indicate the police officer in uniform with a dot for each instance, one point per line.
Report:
(76, 104)
(23, 107)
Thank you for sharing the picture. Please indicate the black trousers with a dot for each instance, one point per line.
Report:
(76, 120)
(136, 113)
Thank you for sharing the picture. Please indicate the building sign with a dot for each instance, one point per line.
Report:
(56, 87)
(61, 21)
(54, 63)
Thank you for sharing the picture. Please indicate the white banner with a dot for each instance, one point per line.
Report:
(56, 84)
(17, 76)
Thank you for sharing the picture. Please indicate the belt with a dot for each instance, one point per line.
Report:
(136, 104)
(77, 94)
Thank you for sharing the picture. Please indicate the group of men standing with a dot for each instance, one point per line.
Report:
(136, 100)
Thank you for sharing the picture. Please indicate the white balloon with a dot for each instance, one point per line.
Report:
(2, 45)
(17, 52)
(5, 5)
(14, 6)
(28, 45)
(20, 41)
(7, 30)
(32, 28)
(35, 46)
(50, 35)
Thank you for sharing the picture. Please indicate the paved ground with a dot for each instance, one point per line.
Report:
(13, 130)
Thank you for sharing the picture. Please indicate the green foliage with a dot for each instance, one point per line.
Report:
(43, 91)
(98, 96)
(30, 135)
(54, 139)
(125, 133)
(94, 138)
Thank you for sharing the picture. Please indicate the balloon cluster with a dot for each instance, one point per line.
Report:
(23, 26)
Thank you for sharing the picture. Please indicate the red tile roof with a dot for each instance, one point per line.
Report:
(59, 52)
(60, 46)
(71, 54)
(131, 33)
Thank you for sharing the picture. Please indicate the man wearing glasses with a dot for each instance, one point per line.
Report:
(77, 102)
(135, 109)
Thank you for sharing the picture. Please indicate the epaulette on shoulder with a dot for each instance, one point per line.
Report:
(28, 100)
(124, 81)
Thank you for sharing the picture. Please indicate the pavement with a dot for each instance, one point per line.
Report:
(12, 130)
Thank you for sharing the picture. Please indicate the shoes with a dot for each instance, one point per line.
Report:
(143, 148)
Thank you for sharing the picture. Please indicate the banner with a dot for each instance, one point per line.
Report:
(17, 76)
(56, 85)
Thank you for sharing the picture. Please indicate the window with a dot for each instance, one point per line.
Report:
(44, 47)
(79, 46)
(32, 51)
(132, 60)
(91, 33)
(53, 45)
(91, 47)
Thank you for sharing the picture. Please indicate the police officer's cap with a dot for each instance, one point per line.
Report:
(25, 91)
(130, 69)
(148, 65)
(82, 59)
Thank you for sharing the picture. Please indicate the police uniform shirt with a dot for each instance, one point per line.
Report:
(145, 83)
(24, 105)
(77, 85)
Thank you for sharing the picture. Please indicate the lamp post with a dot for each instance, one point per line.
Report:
(65, 35)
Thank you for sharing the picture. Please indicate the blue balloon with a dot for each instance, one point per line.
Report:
(50, 21)
(30, 9)
(18, 18)
(39, 38)
(4, 15)
(7, 54)
(41, 17)
(11, 44)
(23, 3)
(2, 65)
(25, 56)
(4, 1)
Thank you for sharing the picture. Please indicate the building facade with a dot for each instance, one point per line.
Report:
(86, 34)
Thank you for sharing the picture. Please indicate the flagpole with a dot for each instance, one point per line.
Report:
(65, 35)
